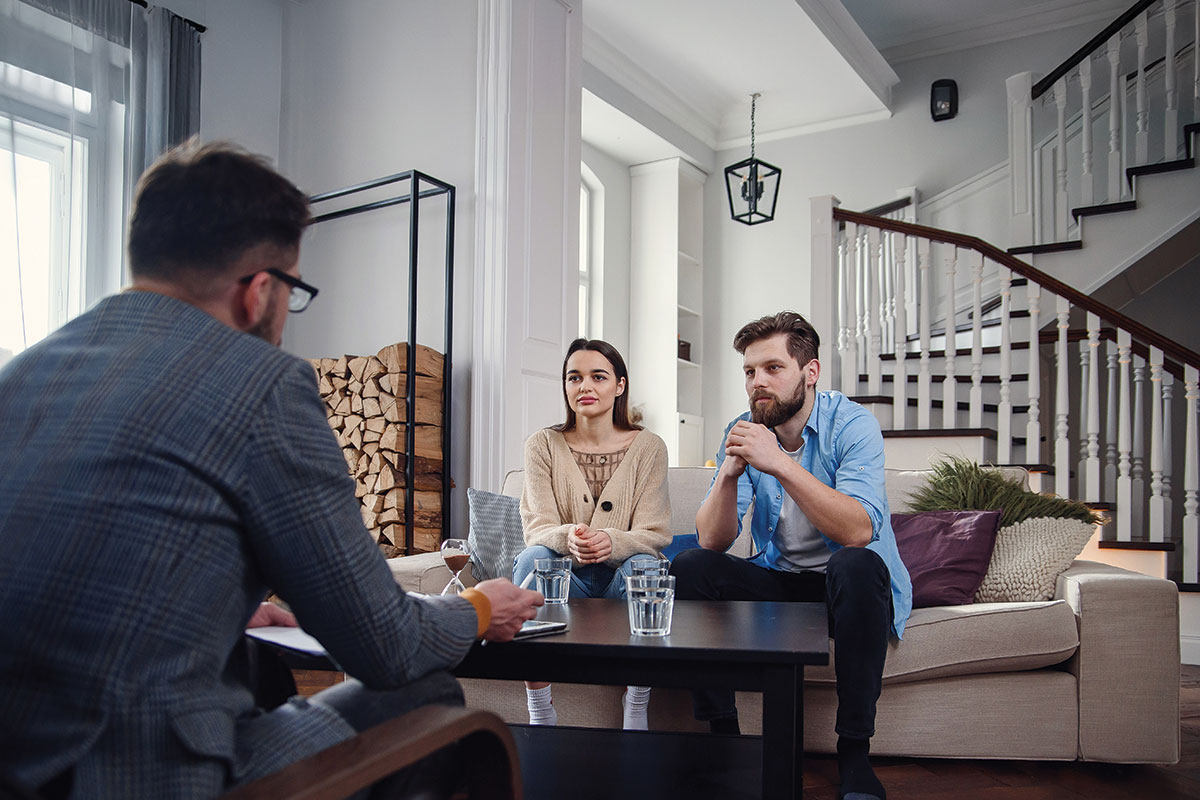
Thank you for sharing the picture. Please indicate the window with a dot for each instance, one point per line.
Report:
(591, 254)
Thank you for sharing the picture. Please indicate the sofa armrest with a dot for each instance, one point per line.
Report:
(425, 573)
(1127, 665)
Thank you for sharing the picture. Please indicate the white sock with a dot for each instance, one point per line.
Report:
(634, 704)
(541, 706)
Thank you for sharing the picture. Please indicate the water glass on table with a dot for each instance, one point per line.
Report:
(650, 566)
(553, 577)
(651, 601)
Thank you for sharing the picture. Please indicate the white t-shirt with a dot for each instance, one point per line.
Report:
(800, 545)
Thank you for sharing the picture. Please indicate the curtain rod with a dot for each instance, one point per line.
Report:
(199, 28)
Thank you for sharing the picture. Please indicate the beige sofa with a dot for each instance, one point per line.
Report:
(1092, 674)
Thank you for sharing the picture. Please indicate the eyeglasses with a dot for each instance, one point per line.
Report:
(299, 297)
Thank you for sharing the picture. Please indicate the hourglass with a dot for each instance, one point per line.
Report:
(455, 553)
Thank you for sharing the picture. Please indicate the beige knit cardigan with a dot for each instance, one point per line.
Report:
(555, 497)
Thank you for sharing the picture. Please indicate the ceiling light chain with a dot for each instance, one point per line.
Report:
(753, 107)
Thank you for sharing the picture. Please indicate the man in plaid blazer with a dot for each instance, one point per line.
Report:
(162, 464)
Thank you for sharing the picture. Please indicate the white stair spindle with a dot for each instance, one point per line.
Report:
(949, 385)
(1196, 56)
(900, 372)
(1087, 181)
(1114, 118)
(1124, 443)
(1168, 388)
(1092, 481)
(1171, 119)
(847, 340)
(1033, 424)
(1191, 478)
(924, 312)
(1141, 143)
(1110, 430)
(887, 256)
(1138, 463)
(1004, 409)
(1062, 203)
(1062, 400)
(1157, 521)
(1085, 362)
(975, 400)
(874, 310)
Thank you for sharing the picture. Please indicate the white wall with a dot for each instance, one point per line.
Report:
(752, 271)
(373, 88)
(615, 177)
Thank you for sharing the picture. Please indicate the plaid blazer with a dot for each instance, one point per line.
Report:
(158, 471)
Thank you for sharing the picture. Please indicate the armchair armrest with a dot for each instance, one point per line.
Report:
(489, 758)
(1127, 664)
(425, 572)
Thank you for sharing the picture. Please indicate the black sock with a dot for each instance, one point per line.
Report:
(725, 725)
(855, 768)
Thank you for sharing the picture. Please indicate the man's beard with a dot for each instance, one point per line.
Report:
(777, 411)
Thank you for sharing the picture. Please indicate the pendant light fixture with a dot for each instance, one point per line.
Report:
(752, 185)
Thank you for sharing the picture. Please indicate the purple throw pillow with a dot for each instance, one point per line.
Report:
(947, 553)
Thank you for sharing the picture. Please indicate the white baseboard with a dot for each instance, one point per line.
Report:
(1189, 649)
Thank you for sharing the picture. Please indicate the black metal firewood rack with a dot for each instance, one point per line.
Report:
(421, 188)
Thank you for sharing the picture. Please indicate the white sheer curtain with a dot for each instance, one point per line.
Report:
(91, 91)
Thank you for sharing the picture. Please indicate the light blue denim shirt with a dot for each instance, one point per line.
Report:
(843, 448)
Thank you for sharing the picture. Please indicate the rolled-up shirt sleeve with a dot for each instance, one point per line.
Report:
(859, 473)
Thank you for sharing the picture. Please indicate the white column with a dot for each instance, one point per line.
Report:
(1141, 144)
(1033, 425)
(1124, 443)
(900, 371)
(949, 386)
(1062, 401)
(975, 401)
(924, 311)
(1171, 121)
(1191, 478)
(1092, 481)
(1020, 159)
(1087, 181)
(1110, 430)
(823, 274)
(1062, 203)
(874, 263)
(850, 312)
(1157, 523)
(526, 235)
(1115, 93)
(1004, 410)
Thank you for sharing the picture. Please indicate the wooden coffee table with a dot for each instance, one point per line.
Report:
(739, 645)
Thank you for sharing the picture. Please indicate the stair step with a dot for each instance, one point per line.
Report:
(988, 408)
(996, 300)
(1018, 377)
(1052, 247)
(1103, 208)
(987, 433)
(866, 399)
(1136, 544)
(1188, 587)
(1188, 130)
(1162, 166)
(913, 355)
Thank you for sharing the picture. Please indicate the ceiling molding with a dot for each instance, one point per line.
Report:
(801, 130)
(969, 34)
(610, 61)
(835, 23)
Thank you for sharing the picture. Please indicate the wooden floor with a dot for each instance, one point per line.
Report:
(943, 779)
(935, 779)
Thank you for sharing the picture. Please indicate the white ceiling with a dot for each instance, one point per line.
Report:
(819, 64)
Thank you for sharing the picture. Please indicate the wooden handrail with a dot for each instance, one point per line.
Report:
(1055, 286)
(887, 208)
(1043, 86)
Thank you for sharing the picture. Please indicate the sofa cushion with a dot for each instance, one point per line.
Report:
(496, 536)
(975, 639)
(946, 553)
(1029, 557)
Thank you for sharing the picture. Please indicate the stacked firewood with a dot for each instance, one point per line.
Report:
(365, 402)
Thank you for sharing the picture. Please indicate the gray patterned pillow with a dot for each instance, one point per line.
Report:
(496, 536)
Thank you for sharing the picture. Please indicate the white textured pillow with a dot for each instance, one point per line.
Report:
(1029, 557)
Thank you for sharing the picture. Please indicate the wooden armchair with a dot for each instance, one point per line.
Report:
(488, 756)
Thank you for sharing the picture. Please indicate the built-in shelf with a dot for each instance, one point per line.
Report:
(683, 362)
(688, 311)
(689, 258)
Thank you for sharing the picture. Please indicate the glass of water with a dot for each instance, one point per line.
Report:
(553, 576)
(651, 601)
(650, 566)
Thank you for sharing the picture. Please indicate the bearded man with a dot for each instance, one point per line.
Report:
(811, 462)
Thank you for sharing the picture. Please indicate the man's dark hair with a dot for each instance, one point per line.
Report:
(198, 208)
(802, 339)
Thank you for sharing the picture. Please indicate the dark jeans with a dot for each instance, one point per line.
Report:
(856, 589)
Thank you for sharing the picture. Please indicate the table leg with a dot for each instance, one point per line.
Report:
(783, 733)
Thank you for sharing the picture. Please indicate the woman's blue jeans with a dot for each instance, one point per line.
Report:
(588, 580)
